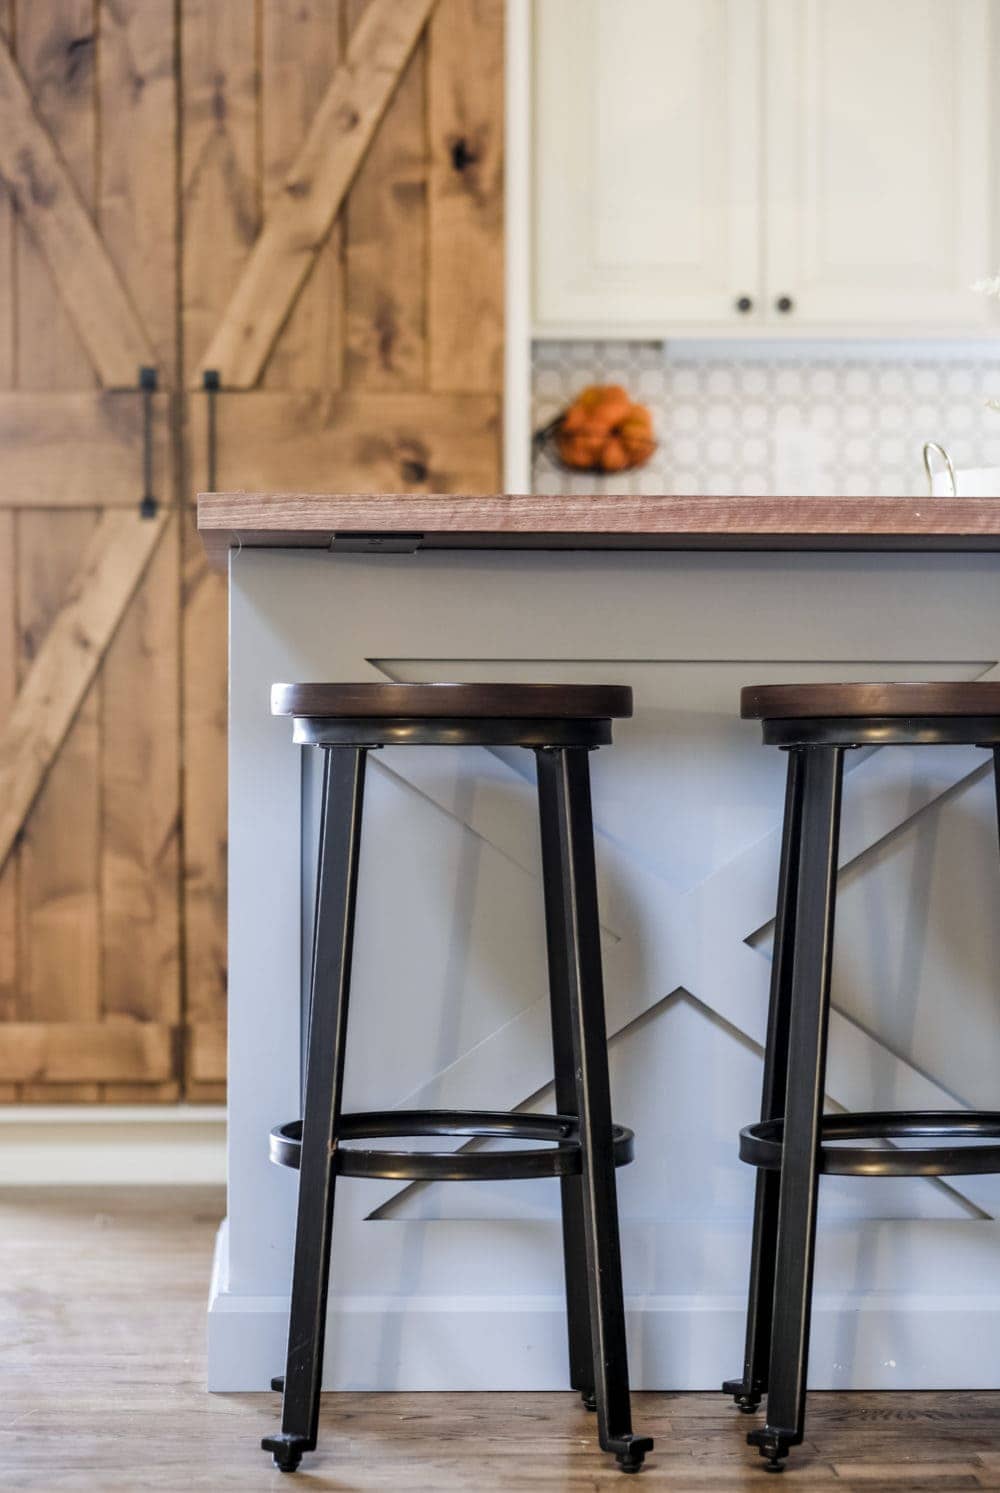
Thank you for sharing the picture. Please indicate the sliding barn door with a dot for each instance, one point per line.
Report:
(90, 992)
(304, 202)
(342, 282)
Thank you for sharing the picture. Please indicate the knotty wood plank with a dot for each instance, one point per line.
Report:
(220, 188)
(385, 219)
(299, 52)
(50, 203)
(372, 441)
(58, 857)
(137, 203)
(8, 690)
(8, 287)
(55, 59)
(8, 613)
(140, 723)
(604, 520)
(315, 187)
(65, 660)
(205, 797)
(221, 216)
(465, 91)
(140, 846)
(80, 450)
(42, 1053)
(59, 964)
(207, 1058)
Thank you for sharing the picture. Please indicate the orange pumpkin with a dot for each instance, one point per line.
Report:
(604, 431)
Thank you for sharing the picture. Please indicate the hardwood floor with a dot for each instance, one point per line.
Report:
(102, 1325)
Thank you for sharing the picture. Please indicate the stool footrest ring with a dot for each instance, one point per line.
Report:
(761, 1144)
(559, 1157)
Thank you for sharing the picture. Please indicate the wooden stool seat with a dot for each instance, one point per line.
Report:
(453, 701)
(771, 702)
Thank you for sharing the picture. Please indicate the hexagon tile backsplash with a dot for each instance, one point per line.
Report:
(808, 423)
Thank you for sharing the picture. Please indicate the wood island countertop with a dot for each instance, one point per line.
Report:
(406, 522)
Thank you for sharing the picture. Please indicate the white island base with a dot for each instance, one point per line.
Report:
(458, 1286)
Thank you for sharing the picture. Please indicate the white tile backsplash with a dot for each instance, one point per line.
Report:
(806, 422)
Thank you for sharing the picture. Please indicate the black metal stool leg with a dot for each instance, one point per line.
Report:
(343, 792)
(822, 773)
(748, 1390)
(581, 1350)
(564, 784)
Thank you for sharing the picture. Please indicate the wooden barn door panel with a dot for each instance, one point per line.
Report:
(89, 917)
(333, 296)
(339, 175)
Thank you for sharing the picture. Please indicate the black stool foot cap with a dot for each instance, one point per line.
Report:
(630, 1451)
(772, 1445)
(278, 1383)
(588, 1399)
(745, 1400)
(287, 1450)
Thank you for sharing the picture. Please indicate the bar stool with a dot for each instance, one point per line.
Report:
(579, 1144)
(792, 1145)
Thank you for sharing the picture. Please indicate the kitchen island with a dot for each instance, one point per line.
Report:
(684, 599)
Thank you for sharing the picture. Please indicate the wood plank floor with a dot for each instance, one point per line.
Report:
(102, 1325)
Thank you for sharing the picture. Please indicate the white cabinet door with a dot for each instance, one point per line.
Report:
(647, 161)
(878, 176)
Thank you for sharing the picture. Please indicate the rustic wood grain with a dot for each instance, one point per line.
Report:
(608, 519)
(204, 795)
(8, 690)
(805, 701)
(218, 168)
(300, 48)
(65, 654)
(58, 855)
(49, 202)
(80, 450)
(321, 175)
(221, 216)
(373, 441)
(485, 701)
(77, 1053)
(56, 45)
(465, 92)
(8, 266)
(51, 785)
(8, 594)
(140, 721)
(386, 240)
(76, 1260)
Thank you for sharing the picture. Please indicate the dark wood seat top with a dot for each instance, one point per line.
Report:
(775, 702)
(453, 701)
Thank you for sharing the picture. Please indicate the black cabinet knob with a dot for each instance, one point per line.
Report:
(785, 303)
(744, 304)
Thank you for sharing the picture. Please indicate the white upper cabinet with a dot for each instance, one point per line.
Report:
(792, 167)
(647, 190)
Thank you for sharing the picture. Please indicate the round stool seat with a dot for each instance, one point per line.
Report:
(771, 702)
(453, 701)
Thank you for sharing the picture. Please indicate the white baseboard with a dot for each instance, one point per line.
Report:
(112, 1144)
(861, 1338)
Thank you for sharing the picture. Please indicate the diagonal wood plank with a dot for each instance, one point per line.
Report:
(322, 171)
(110, 569)
(35, 175)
